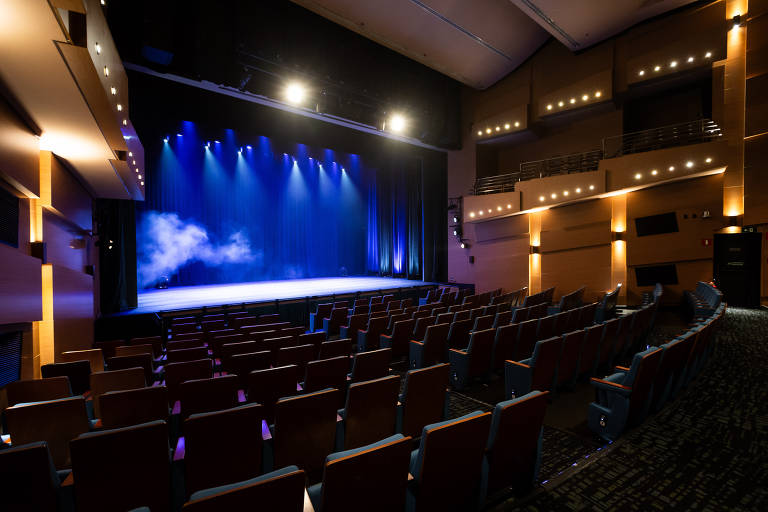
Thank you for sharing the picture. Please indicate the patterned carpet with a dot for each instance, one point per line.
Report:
(707, 450)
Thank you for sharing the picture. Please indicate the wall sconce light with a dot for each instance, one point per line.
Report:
(733, 220)
(617, 236)
(534, 249)
(737, 21)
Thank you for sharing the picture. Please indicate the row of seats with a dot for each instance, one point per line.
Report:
(702, 302)
(656, 374)
(457, 464)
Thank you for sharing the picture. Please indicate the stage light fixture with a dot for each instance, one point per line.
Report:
(641, 72)
(295, 93)
(598, 94)
(249, 147)
(463, 245)
(165, 139)
(397, 123)
(506, 126)
(638, 176)
(142, 183)
(139, 176)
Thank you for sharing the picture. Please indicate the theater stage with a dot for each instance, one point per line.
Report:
(192, 297)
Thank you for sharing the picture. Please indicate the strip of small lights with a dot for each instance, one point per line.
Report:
(492, 131)
(674, 64)
(574, 102)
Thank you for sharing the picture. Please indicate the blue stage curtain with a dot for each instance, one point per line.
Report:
(415, 225)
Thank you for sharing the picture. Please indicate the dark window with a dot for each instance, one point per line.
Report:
(656, 224)
(649, 276)
(9, 218)
(10, 357)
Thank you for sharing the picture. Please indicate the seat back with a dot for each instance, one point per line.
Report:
(514, 444)
(337, 348)
(243, 364)
(299, 355)
(376, 327)
(176, 373)
(504, 345)
(609, 335)
(122, 469)
(546, 328)
(461, 315)
(116, 380)
(520, 315)
(326, 373)
(143, 361)
(108, 347)
(526, 339)
(28, 479)
(356, 323)
(458, 334)
(278, 491)
(370, 365)
(502, 318)
(132, 350)
(182, 344)
(448, 463)
(305, 429)
(54, 421)
(186, 354)
(206, 395)
(587, 316)
(133, 406)
(569, 357)
(538, 311)
(642, 385)
(393, 319)
(337, 317)
(401, 335)
(213, 325)
(560, 321)
(95, 356)
(374, 477)
(444, 318)
(370, 411)
(590, 348)
(672, 361)
(38, 390)
(480, 350)
(423, 398)
(79, 373)
(420, 329)
(544, 362)
(435, 344)
(483, 322)
(267, 386)
(210, 441)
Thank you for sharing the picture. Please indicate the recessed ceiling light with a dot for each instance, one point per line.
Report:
(541, 198)
(553, 196)
(517, 124)
(641, 72)
(598, 94)
(657, 68)
(689, 164)
(671, 168)
(638, 176)
(591, 187)
(690, 59)
(549, 107)
(707, 55)
(708, 160)
(573, 100)
(565, 192)
(578, 190)
(560, 103)
(125, 122)
(654, 172)
(479, 132)
(585, 97)
(487, 130)
(119, 107)
(472, 214)
(506, 126)
(673, 64)
(498, 208)
(498, 128)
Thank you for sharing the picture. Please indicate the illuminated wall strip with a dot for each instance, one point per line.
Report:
(618, 246)
(534, 259)
(45, 327)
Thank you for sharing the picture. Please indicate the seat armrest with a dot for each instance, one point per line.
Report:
(417, 342)
(516, 363)
(458, 351)
(610, 386)
(622, 368)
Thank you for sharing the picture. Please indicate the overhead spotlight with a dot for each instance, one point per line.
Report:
(489, 210)
(654, 172)
(142, 183)
(397, 123)
(498, 128)
(509, 206)
(591, 187)
(708, 160)
(480, 212)
(689, 164)
(240, 151)
(690, 59)
(295, 93)
(673, 64)
(455, 219)
(549, 107)
(487, 130)
(560, 103)
(506, 126)
(113, 90)
(578, 190)
(139, 176)
(573, 100)
(216, 142)
(137, 170)
(565, 192)
(479, 133)
(585, 97)
(125, 122)
(98, 48)
(553, 196)
(249, 147)
(472, 215)
(541, 199)
(671, 168)
(598, 94)
(641, 72)
(517, 124)
(464, 244)
(657, 68)
(208, 145)
(134, 162)
(130, 153)
(343, 169)
(708, 55)
(638, 176)
(498, 208)
(165, 139)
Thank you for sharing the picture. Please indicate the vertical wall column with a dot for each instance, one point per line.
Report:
(534, 258)
(619, 245)
(734, 100)
(42, 331)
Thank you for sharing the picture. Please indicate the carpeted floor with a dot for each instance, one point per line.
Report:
(707, 450)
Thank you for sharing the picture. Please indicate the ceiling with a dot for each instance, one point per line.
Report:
(478, 42)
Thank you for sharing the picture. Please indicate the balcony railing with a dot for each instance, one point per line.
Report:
(682, 134)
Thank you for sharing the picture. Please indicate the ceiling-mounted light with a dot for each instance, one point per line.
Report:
(657, 68)
(708, 55)
(690, 59)
(479, 133)
(295, 93)
(397, 123)
(560, 103)
(641, 72)
(585, 97)
(549, 107)
(673, 64)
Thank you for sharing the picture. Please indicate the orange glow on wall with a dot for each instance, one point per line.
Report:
(35, 220)
(734, 103)
(619, 213)
(619, 247)
(534, 260)
(43, 330)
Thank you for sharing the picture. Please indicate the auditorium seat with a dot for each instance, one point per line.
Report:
(78, 372)
(322, 311)
(546, 328)
(444, 318)
(38, 390)
(216, 342)
(473, 362)
(108, 347)
(275, 344)
(373, 478)
(520, 315)
(239, 321)
(504, 345)
(222, 447)
(28, 479)
(206, 395)
(133, 350)
(186, 354)
(513, 453)
(304, 431)
(433, 295)
(299, 355)
(354, 324)
(141, 360)
(229, 350)
(526, 339)
(369, 339)
(269, 318)
(370, 365)
(560, 322)
(53, 421)
(370, 412)
(184, 344)
(399, 338)
(213, 325)
(461, 315)
(446, 468)
(606, 346)
(458, 333)
(623, 398)
(393, 319)
(243, 364)
(336, 348)
(482, 323)
(115, 380)
(314, 338)
(133, 406)
(337, 318)
(671, 368)
(424, 399)
(623, 336)
(93, 355)
(434, 348)
(267, 386)
(491, 310)
(535, 373)
(538, 311)
(568, 367)
(590, 349)
(177, 373)
(183, 328)
(588, 315)
(278, 491)
(327, 373)
(121, 469)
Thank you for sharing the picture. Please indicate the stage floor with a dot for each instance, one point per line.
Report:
(190, 297)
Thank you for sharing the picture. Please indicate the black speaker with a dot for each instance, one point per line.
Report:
(737, 267)
(39, 250)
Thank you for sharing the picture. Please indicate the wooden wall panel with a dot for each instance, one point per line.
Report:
(72, 309)
(69, 197)
(575, 226)
(20, 287)
(569, 270)
(66, 244)
(502, 263)
(756, 180)
(19, 152)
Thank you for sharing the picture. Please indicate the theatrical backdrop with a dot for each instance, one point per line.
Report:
(271, 195)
